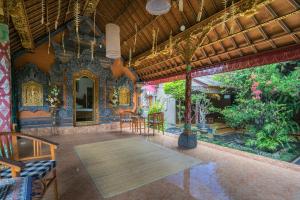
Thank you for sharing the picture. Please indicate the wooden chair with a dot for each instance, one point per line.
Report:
(156, 120)
(40, 166)
(126, 117)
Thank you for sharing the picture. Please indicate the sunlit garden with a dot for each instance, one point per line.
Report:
(262, 118)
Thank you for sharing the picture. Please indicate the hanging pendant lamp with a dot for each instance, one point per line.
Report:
(113, 44)
(158, 7)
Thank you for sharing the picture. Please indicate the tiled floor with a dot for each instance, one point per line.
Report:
(221, 176)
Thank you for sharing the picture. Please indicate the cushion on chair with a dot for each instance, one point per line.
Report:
(35, 169)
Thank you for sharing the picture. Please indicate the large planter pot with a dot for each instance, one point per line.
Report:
(187, 141)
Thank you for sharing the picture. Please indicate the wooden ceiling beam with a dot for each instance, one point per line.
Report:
(257, 43)
(263, 32)
(202, 28)
(246, 37)
(294, 3)
(283, 25)
(257, 25)
(123, 11)
(90, 7)
(232, 40)
(221, 43)
(20, 20)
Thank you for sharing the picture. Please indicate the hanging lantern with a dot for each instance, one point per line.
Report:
(158, 7)
(113, 44)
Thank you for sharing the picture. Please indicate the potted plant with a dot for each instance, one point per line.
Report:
(54, 102)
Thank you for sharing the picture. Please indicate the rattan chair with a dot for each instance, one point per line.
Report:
(156, 121)
(40, 166)
(126, 118)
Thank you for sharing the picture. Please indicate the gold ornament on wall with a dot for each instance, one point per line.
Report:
(124, 96)
(32, 94)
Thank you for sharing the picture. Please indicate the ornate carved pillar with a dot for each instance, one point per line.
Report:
(5, 80)
(188, 103)
(188, 140)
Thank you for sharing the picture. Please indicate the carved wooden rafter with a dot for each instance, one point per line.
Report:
(206, 56)
(90, 7)
(244, 7)
(19, 18)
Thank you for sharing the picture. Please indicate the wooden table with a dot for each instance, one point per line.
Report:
(138, 123)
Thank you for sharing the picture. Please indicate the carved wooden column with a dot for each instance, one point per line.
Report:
(5, 78)
(188, 103)
(188, 140)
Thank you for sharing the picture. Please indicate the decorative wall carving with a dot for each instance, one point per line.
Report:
(31, 80)
(32, 94)
(124, 95)
(63, 72)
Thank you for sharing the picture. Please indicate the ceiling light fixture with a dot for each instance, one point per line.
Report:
(158, 7)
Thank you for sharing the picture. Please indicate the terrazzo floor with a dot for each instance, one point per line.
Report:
(221, 175)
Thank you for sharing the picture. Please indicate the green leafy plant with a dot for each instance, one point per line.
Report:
(156, 107)
(176, 90)
(53, 96)
(266, 100)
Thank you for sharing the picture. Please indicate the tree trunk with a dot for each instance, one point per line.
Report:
(188, 103)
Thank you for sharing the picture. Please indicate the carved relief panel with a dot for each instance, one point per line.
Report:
(124, 96)
(32, 94)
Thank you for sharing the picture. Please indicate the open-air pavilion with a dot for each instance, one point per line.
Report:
(71, 75)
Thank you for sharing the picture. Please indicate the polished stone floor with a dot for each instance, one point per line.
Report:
(221, 176)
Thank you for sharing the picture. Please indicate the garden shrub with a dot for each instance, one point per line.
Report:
(266, 100)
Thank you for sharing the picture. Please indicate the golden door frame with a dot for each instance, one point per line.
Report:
(95, 79)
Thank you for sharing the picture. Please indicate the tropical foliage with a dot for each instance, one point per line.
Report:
(176, 90)
(53, 96)
(156, 107)
(266, 100)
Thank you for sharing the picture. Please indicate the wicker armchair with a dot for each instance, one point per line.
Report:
(39, 166)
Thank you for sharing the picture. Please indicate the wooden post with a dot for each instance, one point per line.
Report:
(188, 103)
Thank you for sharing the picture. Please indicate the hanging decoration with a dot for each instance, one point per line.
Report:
(130, 57)
(180, 5)
(225, 12)
(171, 45)
(63, 42)
(158, 7)
(93, 43)
(48, 28)
(135, 37)
(201, 8)
(77, 21)
(154, 40)
(233, 13)
(43, 11)
(49, 40)
(58, 14)
(92, 50)
(76, 16)
(113, 44)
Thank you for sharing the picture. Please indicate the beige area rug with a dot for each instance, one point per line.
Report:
(117, 166)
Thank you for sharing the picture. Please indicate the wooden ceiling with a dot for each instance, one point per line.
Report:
(275, 25)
